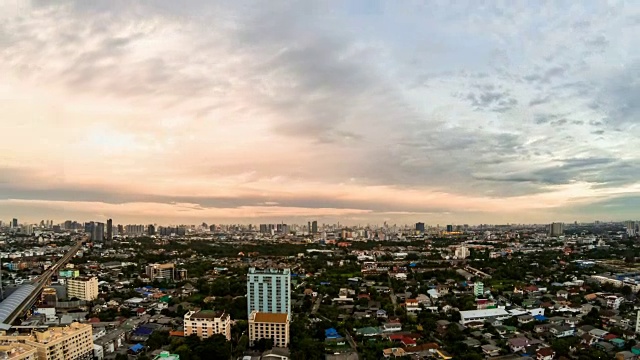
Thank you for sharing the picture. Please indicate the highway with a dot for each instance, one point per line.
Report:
(41, 282)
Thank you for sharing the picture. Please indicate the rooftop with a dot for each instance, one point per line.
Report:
(10, 350)
(270, 317)
(270, 271)
(207, 314)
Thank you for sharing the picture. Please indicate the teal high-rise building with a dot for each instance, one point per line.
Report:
(269, 290)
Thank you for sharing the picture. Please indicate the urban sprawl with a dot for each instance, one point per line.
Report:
(99, 290)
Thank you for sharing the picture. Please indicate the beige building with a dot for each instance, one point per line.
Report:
(206, 323)
(269, 326)
(83, 288)
(73, 342)
(17, 351)
(161, 272)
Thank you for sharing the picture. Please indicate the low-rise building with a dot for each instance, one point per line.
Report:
(269, 326)
(73, 342)
(206, 323)
(161, 271)
(17, 351)
(482, 315)
(83, 288)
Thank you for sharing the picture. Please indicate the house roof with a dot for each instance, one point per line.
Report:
(545, 351)
(271, 317)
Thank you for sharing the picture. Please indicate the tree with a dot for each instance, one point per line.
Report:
(626, 290)
(122, 357)
(263, 344)
(215, 347)
(157, 339)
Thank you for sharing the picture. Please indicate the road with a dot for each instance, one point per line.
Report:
(40, 282)
(316, 305)
(352, 343)
(392, 294)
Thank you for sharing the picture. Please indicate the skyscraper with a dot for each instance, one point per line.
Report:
(631, 227)
(14, 223)
(151, 230)
(449, 228)
(314, 227)
(420, 227)
(97, 233)
(269, 290)
(556, 229)
(109, 230)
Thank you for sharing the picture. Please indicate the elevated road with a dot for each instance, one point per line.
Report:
(16, 306)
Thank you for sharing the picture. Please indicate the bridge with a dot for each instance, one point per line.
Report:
(21, 300)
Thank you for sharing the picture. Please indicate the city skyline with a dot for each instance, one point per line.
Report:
(352, 112)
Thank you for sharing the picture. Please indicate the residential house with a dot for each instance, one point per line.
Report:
(546, 353)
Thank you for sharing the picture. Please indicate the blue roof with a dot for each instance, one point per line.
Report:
(148, 287)
(331, 333)
(540, 317)
(143, 331)
(136, 347)
(11, 303)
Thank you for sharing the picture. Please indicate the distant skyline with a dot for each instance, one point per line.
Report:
(350, 111)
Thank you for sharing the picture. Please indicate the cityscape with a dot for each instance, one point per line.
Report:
(103, 290)
(319, 180)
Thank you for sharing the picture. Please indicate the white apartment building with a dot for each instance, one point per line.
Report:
(269, 326)
(614, 302)
(83, 288)
(462, 252)
(206, 323)
(73, 342)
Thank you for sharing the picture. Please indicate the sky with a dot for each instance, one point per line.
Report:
(287, 111)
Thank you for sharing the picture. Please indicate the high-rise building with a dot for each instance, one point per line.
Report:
(309, 226)
(88, 227)
(57, 343)
(97, 233)
(273, 326)
(120, 230)
(314, 227)
(14, 223)
(420, 227)
(151, 229)
(556, 229)
(631, 227)
(109, 230)
(449, 228)
(206, 323)
(212, 228)
(27, 229)
(83, 288)
(263, 229)
(68, 225)
(161, 272)
(134, 230)
(269, 290)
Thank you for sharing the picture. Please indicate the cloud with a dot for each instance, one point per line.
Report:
(228, 105)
